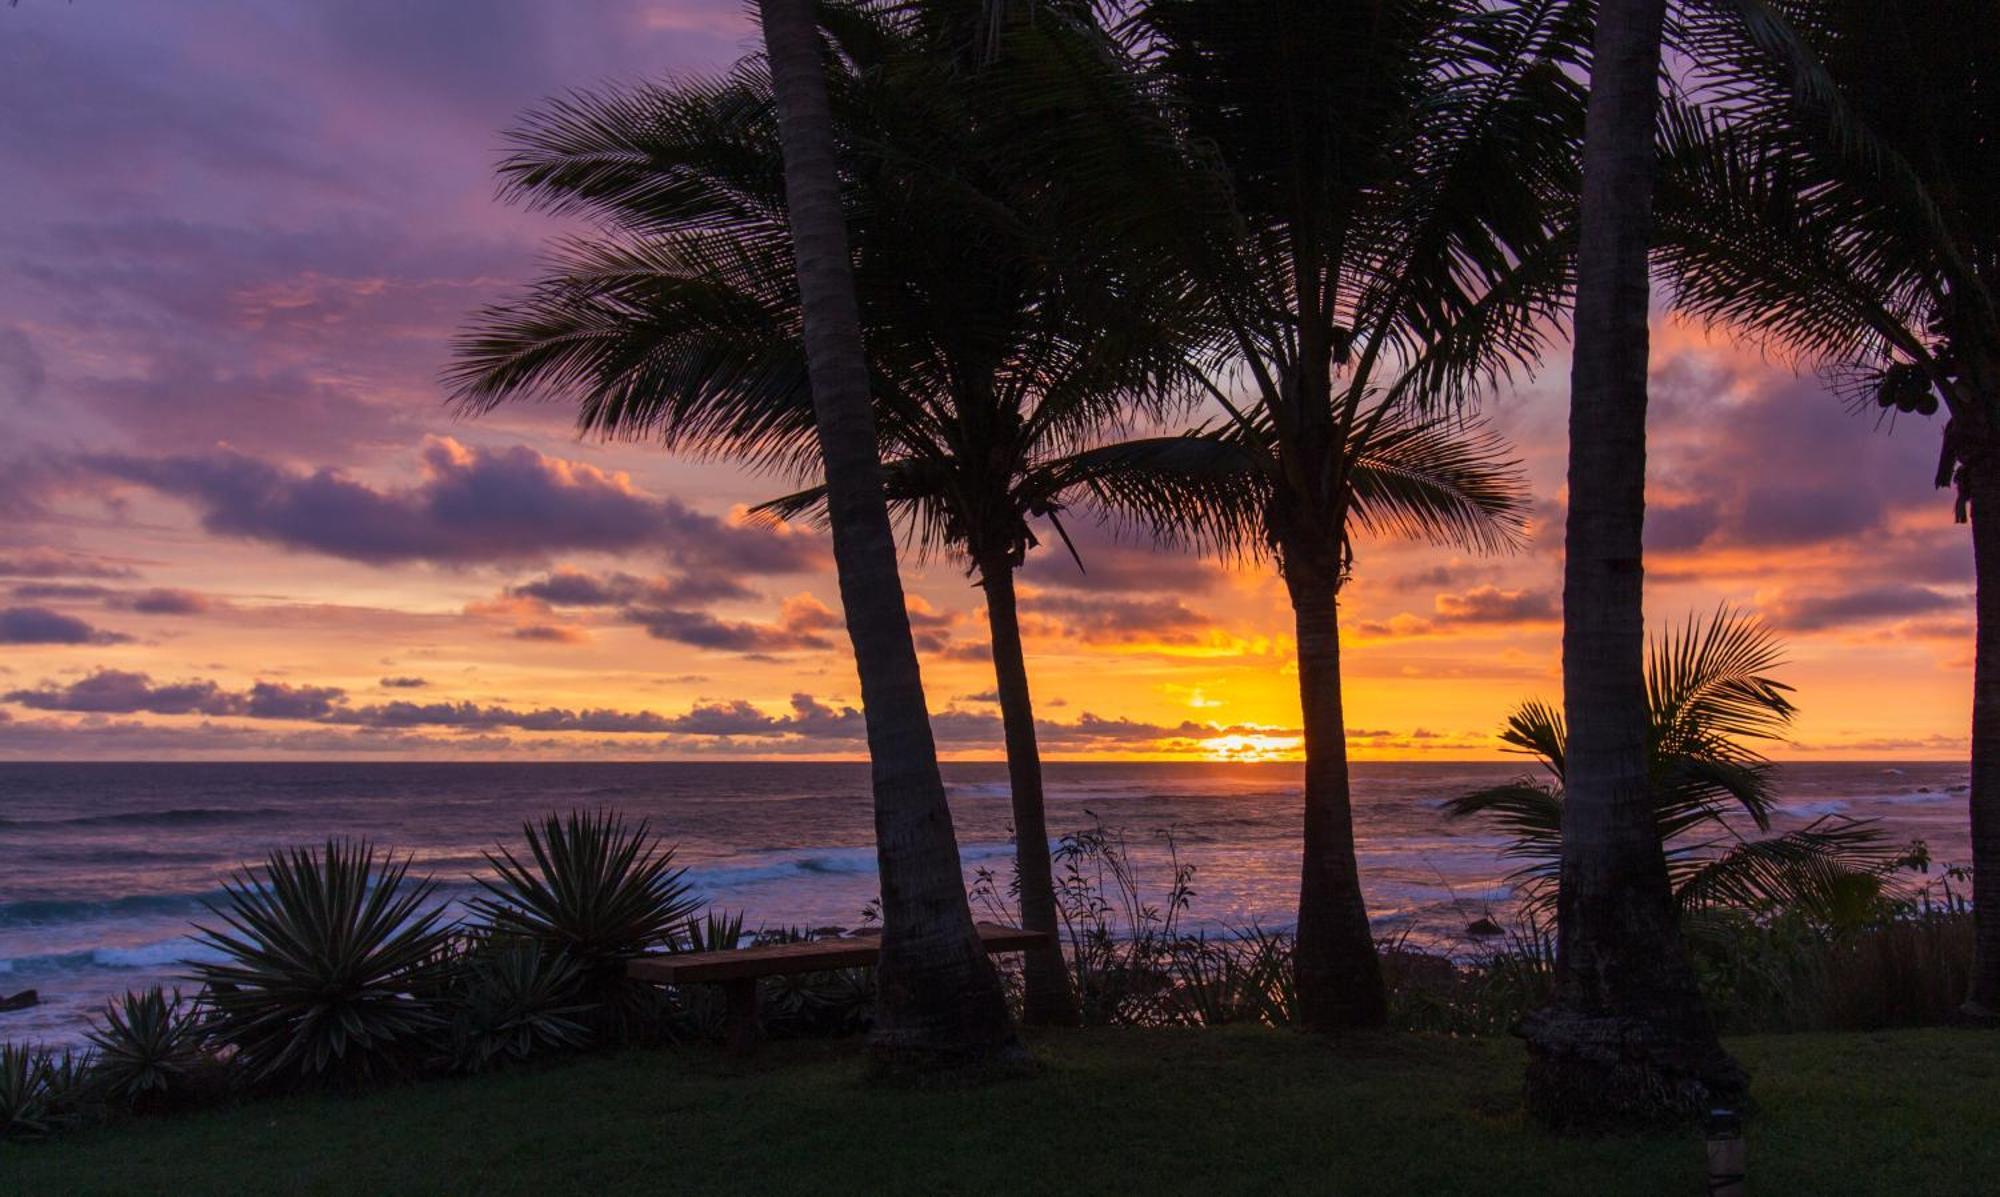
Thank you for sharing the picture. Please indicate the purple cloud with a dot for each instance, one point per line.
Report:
(123, 692)
(60, 592)
(1813, 612)
(156, 601)
(699, 629)
(49, 563)
(473, 505)
(163, 601)
(1113, 562)
(1104, 618)
(1490, 604)
(39, 625)
(548, 633)
(575, 588)
(1787, 466)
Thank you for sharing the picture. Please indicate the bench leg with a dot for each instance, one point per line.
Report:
(740, 1026)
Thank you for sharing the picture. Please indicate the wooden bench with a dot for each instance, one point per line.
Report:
(737, 970)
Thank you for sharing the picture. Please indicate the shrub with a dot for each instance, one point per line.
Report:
(1243, 976)
(1487, 995)
(598, 893)
(329, 965)
(822, 1005)
(509, 1000)
(1131, 961)
(149, 1049)
(41, 1090)
(1909, 967)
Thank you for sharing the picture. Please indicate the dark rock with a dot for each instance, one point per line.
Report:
(20, 1001)
(1483, 926)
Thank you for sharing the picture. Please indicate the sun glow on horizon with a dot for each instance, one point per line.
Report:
(1253, 746)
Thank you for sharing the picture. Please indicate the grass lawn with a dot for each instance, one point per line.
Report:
(1112, 1111)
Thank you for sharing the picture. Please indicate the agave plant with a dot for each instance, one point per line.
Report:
(1709, 693)
(329, 964)
(40, 1090)
(597, 892)
(24, 1106)
(716, 931)
(511, 999)
(147, 1047)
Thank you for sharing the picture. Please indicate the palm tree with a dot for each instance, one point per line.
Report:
(997, 344)
(1366, 198)
(1708, 691)
(940, 1000)
(1627, 1037)
(1837, 193)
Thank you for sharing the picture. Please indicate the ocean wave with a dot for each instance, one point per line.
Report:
(156, 955)
(43, 911)
(1859, 803)
(799, 864)
(193, 816)
(978, 789)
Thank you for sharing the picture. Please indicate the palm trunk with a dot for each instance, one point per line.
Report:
(940, 1003)
(1338, 974)
(1048, 1000)
(1627, 1039)
(1983, 487)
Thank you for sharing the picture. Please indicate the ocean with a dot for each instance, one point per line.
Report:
(104, 867)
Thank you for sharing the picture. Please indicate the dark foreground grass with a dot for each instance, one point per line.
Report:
(1111, 1111)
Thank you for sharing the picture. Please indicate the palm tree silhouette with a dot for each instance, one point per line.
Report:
(1627, 1037)
(1367, 200)
(1836, 192)
(1001, 343)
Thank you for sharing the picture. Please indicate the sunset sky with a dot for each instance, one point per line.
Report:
(237, 521)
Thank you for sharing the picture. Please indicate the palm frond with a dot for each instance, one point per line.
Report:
(1537, 728)
(1708, 685)
(1709, 688)
(1201, 492)
(1531, 816)
(1828, 868)
(1447, 482)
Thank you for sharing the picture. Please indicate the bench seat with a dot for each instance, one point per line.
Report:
(785, 959)
(737, 970)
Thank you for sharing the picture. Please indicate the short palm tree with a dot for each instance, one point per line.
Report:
(1836, 191)
(997, 346)
(1368, 202)
(1710, 696)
